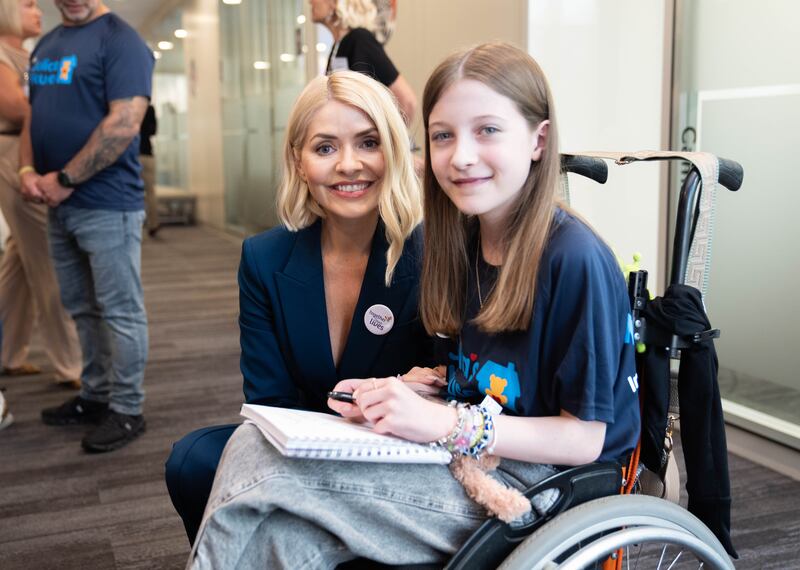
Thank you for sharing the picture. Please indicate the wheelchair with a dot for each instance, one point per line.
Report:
(591, 524)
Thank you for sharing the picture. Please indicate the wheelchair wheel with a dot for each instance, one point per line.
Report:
(651, 532)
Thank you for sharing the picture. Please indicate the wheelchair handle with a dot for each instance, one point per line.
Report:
(590, 167)
(731, 174)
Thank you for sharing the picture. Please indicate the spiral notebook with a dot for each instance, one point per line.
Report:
(298, 433)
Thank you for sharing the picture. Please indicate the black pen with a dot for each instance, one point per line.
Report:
(342, 397)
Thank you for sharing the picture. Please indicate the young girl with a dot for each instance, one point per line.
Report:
(535, 316)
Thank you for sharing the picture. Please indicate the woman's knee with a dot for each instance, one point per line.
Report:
(193, 461)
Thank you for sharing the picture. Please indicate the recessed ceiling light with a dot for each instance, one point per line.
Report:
(321, 47)
(179, 33)
(261, 64)
(156, 54)
(165, 45)
(232, 2)
(287, 57)
(301, 19)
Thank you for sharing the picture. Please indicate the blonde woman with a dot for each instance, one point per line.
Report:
(353, 24)
(349, 245)
(27, 279)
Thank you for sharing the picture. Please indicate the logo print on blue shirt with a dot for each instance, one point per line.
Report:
(629, 330)
(470, 378)
(53, 72)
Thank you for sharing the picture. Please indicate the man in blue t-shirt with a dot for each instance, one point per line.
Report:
(90, 81)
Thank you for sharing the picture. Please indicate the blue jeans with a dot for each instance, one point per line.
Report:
(97, 258)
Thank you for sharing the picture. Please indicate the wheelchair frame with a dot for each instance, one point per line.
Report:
(591, 521)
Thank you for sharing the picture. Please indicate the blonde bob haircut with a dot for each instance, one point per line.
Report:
(357, 14)
(10, 19)
(448, 233)
(400, 199)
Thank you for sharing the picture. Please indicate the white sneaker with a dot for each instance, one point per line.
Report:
(6, 418)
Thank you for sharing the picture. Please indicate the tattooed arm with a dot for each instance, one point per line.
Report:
(109, 140)
(106, 144)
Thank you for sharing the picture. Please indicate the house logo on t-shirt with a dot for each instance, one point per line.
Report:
(469, 377)
(53, 71)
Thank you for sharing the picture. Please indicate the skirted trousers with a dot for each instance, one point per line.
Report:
(28, 284)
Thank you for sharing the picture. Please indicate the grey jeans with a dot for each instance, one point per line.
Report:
(270, 511)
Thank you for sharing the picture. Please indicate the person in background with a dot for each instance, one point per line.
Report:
(351, 22)
(28, 284)
(90, 84)
(6, 417)
(148, 130)
(349, 245)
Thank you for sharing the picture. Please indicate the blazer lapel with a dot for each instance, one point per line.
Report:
(363, 348)
(302, 297)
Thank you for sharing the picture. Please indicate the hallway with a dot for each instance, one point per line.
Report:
(61, 508)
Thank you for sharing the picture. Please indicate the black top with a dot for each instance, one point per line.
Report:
(148, 129)
(359, 51)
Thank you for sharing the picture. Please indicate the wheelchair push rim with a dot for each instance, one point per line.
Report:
(605, 525)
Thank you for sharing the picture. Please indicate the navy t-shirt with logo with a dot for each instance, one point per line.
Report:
(75, 73)
(577, 354)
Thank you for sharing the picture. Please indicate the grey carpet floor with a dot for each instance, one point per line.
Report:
(62, 508)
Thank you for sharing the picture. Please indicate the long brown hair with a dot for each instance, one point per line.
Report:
(514, 74)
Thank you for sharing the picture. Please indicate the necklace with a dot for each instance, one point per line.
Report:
(477, 275)
(332, 57)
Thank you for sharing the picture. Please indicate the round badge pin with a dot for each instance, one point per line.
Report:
(379, 319)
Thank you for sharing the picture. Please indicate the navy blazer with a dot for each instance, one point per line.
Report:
(286, 351)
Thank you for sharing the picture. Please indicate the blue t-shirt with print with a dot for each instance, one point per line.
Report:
(577, 354)
(75, 73)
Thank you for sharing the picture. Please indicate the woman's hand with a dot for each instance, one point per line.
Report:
(426, 381)
(394, 408)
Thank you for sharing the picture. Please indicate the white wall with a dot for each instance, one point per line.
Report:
(605, 63)
(204, 126)
(427, 31)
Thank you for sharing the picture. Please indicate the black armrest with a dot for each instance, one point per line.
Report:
(494, 540)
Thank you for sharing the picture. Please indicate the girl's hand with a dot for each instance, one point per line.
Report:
(426, 381)
(349, 411)
(394, 408)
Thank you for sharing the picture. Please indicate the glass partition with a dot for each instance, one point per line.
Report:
(170, 102)
(263, 67)
(736, 97)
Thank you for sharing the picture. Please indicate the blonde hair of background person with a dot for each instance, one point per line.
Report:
(356, 14)
(400, 202)
(27, 278)
(10, 20)
(343, 16)
(445, 268)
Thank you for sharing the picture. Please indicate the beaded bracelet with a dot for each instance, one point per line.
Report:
(448, 441)
(486, 435)
(472, 432)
